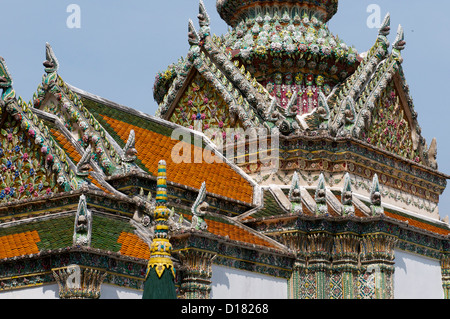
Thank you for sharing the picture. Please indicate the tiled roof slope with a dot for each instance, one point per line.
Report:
(108, 234)
(224, 227)
(154, 142)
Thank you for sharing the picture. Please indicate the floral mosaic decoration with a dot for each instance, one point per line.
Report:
(390, 128)
(25, 165)
(201, 108)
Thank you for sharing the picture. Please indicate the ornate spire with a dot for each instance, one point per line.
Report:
(159, 280)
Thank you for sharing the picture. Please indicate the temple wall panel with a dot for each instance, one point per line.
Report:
(229, 283)
(115, 292)
(417, 277)
(38, 292)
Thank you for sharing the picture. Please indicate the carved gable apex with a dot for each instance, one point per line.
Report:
(201, 106)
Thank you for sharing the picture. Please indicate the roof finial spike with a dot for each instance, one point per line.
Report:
(432, 154)
(385, 28)
(193, 37)
(129, 151)
(51, 63)
(6, 82)
(203, 15)
(400, 43)
(84, 165)
(5, 77)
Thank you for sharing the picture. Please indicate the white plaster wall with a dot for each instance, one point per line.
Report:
(39, 292)
(417, 277)
(230, 283)
(115, 292)
(52, 292)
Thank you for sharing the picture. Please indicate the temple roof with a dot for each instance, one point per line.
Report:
(154, 141)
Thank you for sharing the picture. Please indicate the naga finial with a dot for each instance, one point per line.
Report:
(6, 83)
(432, 154)
(375, 197)
(199, 209)
(51, 63)
(129, 151)
(83, 224)
(84, 165)
(193, 36)
(295, 196)
(321, 196)
(347, 197)
(203, 16)
(5, 77)
(385, 28)
(400, 43)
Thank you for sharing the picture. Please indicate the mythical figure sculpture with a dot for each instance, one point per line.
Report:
(199, 210)
(347, 197)
(84, 165)
(83, 224)
(321, 197)
(295, 195)
(375, 197)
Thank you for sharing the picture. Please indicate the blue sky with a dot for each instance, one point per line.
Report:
(121, 45)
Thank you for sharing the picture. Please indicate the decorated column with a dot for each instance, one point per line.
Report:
(377, 262)
(160, 277)
(345, 266)
(318, 254)
(197, 273)
(79, 282)
(298, 283)
(445, 269)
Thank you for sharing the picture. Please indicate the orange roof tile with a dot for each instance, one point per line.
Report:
(220, 178)
(19, 244)
(66, 145)
(418, 224)
(98, 184)
(234, 232)
(133, 246)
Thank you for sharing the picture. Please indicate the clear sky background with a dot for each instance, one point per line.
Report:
(121, 45)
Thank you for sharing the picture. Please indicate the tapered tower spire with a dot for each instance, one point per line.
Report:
(159, 281)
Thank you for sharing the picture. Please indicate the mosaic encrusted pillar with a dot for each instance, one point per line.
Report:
(377, 263)
(197, 273)
(445, 270)
(298, 286)
(345, 267)
(318, 252)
